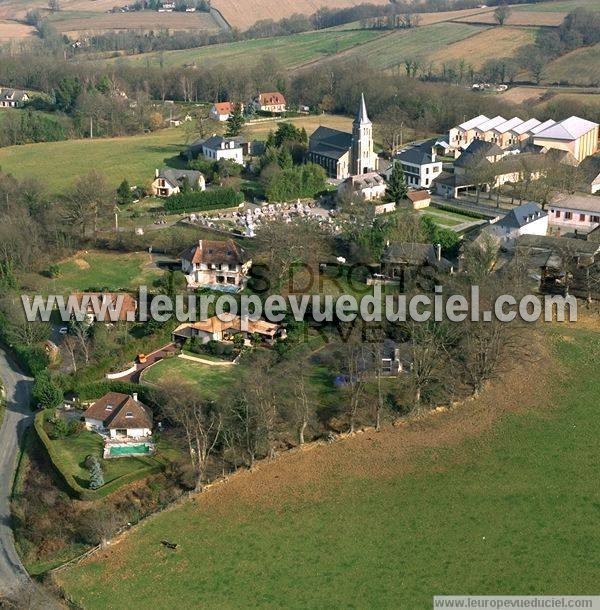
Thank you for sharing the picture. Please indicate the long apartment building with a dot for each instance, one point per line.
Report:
(574, 135)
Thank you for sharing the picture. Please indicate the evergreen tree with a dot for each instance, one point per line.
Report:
(124, 194)
(46, 392)
(235, 122)
(96, 475)
(396, 188)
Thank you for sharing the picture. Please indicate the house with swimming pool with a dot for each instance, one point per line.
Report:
(119, 417)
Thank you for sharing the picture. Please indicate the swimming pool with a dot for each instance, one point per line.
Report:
(142, 449)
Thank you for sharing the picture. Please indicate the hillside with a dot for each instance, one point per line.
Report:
(581, 67)
(386, 520)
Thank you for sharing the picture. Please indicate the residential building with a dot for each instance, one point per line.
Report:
(505, 134)
(12, 98)
(483, 131)
(575, 212)
(575, 135)
(221, 111)
(590, 174)
(220, 265)
(526, 219)
(344, 154)
(106, 306)
(402, 262)
(217, 147)
(226, 326)
(168, 181)
(524, 131)
(367, 187)
(270, 102)
(419, 164)
(119, 415)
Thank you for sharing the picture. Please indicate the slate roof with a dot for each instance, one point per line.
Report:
(176, 176)
(14, 95)
(569, 129)
(216, 252)
(583, 203)
(330, 143)
(418, 155)
(476, 151)
(116, 410)
(546, 242)
(522, 216)
(215, 142)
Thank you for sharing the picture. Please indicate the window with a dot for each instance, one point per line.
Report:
(109, 407)
(582, 217)
(557, 213)
(595, 219)
(568, 215)
(129, 414)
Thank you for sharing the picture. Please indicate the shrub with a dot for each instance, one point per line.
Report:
(195, 201)
(46, 392)
(96, 475)
(296, 183)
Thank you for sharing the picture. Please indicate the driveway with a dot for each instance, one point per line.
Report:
(14, 580)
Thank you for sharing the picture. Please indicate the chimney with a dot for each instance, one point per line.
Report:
(439, 252)
(135, 396)
(156, 173)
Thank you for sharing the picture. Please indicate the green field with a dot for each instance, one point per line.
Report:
(512, 508)
(291, 51)
(58, 164)
(208, 380)
(563, 6)
(97, 270)
(581, 66)
(418, 43)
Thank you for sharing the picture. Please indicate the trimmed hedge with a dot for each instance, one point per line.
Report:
(462, 211)
(76, 490)
(198, 201)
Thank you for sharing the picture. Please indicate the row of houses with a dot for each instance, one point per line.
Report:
(574, 135)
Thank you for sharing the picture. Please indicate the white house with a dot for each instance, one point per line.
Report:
(12, 98)
(221, 111)
(367, 186)
(168, 181)
(270, 102)
(526, 219)
(119, 415)
(217, 147)
(220, 265)
(419, 164)
(575, 212)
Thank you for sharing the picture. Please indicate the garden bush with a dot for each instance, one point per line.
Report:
(197, 201)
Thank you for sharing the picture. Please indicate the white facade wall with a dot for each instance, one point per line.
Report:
(215, 154)
(133, 432)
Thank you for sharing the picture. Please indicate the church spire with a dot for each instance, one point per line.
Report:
(361, 116)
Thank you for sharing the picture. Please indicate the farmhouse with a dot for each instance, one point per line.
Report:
(576, 212)
(419, 164)
(217, 147)
(344, 154)
(220, 265)
(526, 219)
(169, 181)
(225, 327)
(270, 102)
(12, 98)
(221, 111)
(119, 415)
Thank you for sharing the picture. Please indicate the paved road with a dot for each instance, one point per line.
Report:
(13, 577)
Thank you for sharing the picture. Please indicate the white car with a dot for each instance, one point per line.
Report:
(63, 330)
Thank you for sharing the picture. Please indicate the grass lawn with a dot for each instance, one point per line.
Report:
(291, 51)
(449, 219)
(57, 164)
(562, 6)
(510, 506)
(99, 270)
(205, 379)
(74, 449)
(580, 67)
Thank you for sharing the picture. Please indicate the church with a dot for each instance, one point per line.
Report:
(344, 154)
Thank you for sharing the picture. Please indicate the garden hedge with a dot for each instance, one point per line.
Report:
(76, 490)
(198, 201)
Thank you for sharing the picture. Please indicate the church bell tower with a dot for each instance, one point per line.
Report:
(363, 159)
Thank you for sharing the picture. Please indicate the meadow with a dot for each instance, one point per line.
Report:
(497, 496)
(581, 67)
(292, 51)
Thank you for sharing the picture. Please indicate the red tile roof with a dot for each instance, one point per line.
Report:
(418, 195)
(271, 99)
(214, 251)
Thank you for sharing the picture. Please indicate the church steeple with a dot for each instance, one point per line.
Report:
(363, 159)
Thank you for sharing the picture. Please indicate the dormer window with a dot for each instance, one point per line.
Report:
(109, 407)
(229, 253)
(129, 414)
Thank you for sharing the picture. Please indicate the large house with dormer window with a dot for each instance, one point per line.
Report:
(12, 98)
(220, 265)
(119, 415)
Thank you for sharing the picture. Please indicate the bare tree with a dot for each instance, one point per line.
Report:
(501, 14)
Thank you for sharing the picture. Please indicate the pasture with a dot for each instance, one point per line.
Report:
(457, 502)
(291, 51)
(581, 67)
(58, 164)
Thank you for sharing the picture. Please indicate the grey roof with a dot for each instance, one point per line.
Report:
(214, 142)
(418, 155)
(558, 244)
(15, 95)
(361, 116)
(476, 151)
(175, 176)
(330, 142)
(452, 179)
(576, 202)
(590, 168)
(569, 129)
(521, 216)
